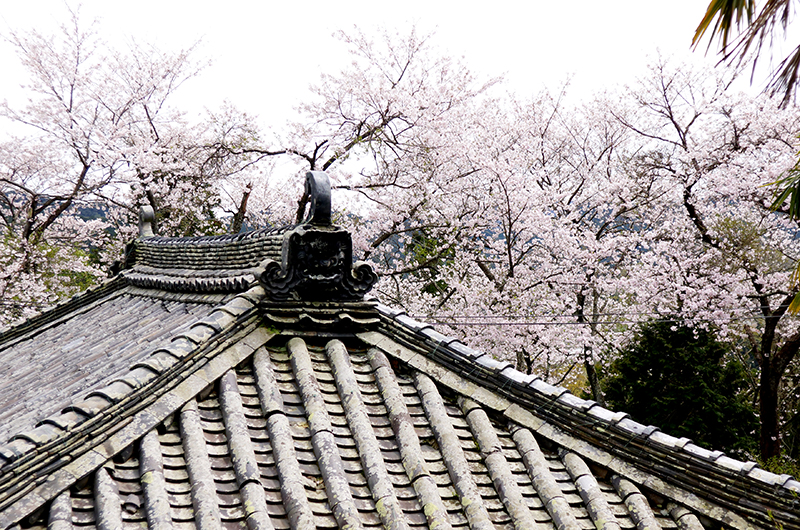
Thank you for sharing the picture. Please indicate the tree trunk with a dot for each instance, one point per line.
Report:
(588, 361)
(151, 198)
(770, 442)
(591, 374)
(238, 218)
(524, 361)
(773, 365)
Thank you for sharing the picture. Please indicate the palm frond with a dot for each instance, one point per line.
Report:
(784, 81)
(788, 190)
(729, 15)
(741, 31)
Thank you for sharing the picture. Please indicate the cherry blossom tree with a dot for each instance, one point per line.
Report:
(102, 140)
(396, 132)
(729, 256)
(472, 204)
(543, 218)
(45, 254)
(531, 228)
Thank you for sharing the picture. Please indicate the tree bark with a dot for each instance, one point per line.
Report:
(238, 218)
(773, 365)
(591, 374)
(770, 441)
(588, 362)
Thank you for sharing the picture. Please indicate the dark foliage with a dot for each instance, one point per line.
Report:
(681, 381)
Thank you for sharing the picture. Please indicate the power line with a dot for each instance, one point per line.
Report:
(496, 316)
(749, 313)
(517, 323)
(15, 304)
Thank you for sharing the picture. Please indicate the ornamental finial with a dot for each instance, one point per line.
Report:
(147, 221)
(317, 257)
(318, 189)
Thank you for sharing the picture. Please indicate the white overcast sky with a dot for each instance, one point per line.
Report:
(266, 53)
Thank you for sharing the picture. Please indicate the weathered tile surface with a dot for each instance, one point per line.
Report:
(199, 469)
(44, 373)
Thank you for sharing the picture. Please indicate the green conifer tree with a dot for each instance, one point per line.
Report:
(682, 380)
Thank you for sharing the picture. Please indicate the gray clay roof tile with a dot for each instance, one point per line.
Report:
(464, 350)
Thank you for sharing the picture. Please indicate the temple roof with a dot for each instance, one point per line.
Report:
(247, 382)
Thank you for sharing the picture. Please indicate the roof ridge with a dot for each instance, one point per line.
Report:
(181, 280)
(242, 251)
(221, 239)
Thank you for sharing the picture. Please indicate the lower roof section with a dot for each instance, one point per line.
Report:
(208, 386)
(305, 432)
(231, 410)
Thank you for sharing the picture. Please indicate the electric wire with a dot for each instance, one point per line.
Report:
(452, 320)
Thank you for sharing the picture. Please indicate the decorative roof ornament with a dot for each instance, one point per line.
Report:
(317, 257)
(318, 190)
(147, 221)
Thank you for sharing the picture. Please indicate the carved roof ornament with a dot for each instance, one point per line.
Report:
(147, 221)
(317, 257)
(318, 189)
